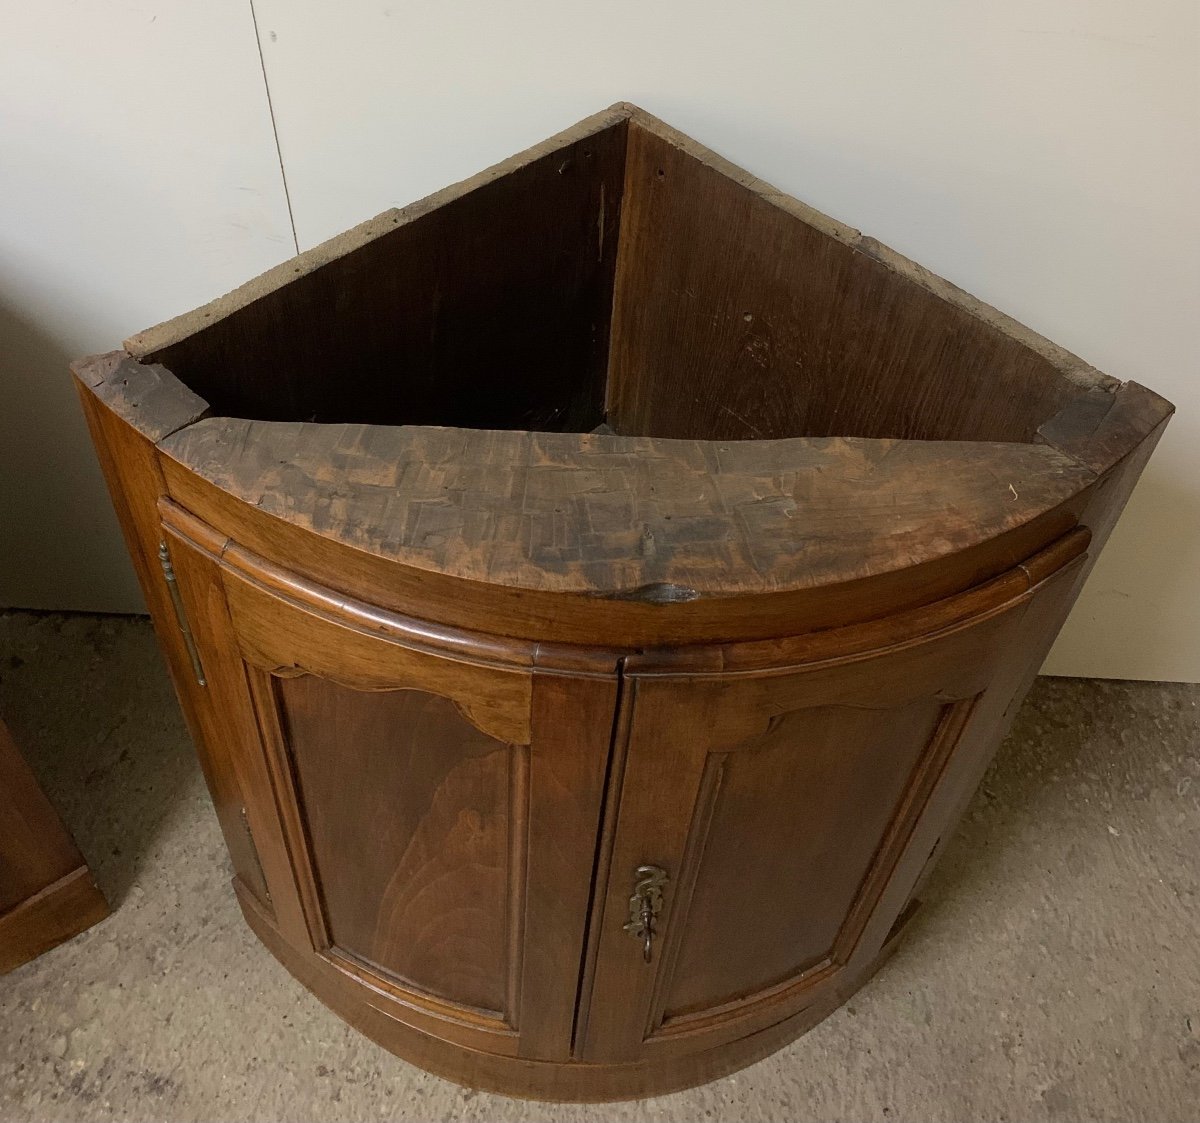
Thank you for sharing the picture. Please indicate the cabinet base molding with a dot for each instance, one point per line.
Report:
(553, 1081)
(62, 910)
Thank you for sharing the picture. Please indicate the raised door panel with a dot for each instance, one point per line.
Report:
(760, 915)
(403, 782)
(785, 804)
(415, 822)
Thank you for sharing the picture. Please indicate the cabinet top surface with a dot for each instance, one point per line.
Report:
(487, 305)
(601, 515)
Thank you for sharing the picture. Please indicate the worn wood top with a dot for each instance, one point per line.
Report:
(602, 514)
(644, 518)
(612, 515)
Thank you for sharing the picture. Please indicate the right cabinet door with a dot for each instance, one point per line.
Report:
(773, 815)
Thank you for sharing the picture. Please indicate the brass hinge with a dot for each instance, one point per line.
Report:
(164, 558)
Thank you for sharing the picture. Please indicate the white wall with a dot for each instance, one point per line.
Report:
(1044, 155)
(138, 177)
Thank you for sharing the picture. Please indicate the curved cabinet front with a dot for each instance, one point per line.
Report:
(794, 806)
(423, 811)
(446, 831)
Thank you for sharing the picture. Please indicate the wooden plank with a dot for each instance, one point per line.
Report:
(35, 849)
(487, 303)
(738, 318)
(59, 912)
(1068, 366)
(47, 894)
(147, 397)
(613, 515)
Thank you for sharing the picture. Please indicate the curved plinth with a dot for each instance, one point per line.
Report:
(542, 1080)
(595, 593)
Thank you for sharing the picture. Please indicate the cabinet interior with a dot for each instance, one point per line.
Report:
(619, 280)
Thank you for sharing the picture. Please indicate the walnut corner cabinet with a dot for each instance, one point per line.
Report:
(595, 591)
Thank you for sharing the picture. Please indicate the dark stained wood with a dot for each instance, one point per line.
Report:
(572, 732)
(735, 320)
(59, 912)
(47, 894)
(400, 789)
(1100, 434)
(486, 306)
(525, 534)
(780, 801)
(740, 598)
(35, 850)
(1039, 630)
(127, 410)
(612, 516)
(611, 508)
(147, 397)
(486, 524)
(328, 643)
(848, 767)
(399, 778)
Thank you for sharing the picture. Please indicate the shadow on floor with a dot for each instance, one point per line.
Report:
(89, 704)
(1080, 750)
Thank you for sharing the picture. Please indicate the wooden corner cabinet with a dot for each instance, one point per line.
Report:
(595, 592)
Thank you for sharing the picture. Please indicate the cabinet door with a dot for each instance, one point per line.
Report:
(791, 809)
(425, 821)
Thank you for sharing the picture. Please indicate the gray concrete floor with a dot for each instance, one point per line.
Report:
(1054, 974)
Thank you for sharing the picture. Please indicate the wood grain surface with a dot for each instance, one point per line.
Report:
(408, 812)
(47, 894)
(35, 849)
(613, 516)
(487, 305)
(611, 508)
(735, 321)
(780, 404)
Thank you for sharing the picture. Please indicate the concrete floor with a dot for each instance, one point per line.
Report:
(1054, 974)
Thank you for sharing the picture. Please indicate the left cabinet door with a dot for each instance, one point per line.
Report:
(424, 824)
